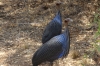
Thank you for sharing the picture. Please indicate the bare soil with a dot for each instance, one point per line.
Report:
(22, 23)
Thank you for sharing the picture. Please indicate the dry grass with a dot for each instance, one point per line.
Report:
(22, 24)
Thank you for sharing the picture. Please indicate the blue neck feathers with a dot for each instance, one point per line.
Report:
(58, 17)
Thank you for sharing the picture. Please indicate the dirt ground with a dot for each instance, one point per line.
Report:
(22, 23)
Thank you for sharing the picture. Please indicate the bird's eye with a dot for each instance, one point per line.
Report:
(66, 21)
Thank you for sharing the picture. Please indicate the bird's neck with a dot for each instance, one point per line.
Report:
(58, 17)
(66, 31)
(58, 13)
(58, 8)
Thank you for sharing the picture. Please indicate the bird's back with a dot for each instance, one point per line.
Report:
(53, 49)
(53, 28)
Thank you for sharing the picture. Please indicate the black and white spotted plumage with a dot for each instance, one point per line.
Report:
(53, 28)
(53, 49)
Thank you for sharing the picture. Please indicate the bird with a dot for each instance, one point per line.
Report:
(54, 27)
(57, 47)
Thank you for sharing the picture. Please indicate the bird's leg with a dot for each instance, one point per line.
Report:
(51, 63)
(56, 62)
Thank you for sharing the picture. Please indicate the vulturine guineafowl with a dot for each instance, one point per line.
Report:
(53, 49)
(54, 27)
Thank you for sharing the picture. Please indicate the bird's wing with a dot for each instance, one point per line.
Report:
(49, 28)
(50, 31)
(48, 52)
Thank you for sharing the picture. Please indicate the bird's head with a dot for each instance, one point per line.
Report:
(67, 20)
(58, 4)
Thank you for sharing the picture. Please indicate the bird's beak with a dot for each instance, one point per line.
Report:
(71, 20)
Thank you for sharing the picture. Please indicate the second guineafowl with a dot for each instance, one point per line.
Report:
(54, 27)
(53, 49)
